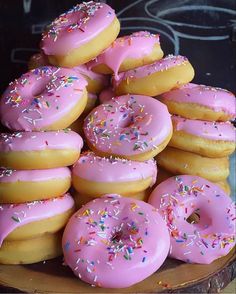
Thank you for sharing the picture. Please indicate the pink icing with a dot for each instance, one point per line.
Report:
(217, 131)
(13, 216)
(40, 97)
(213, 236)
(128, 125)
(87, 73)
(106, 95)
(39, 141)
(215, 98)
(100, 169)
(146, 70)
(136, 45)
(115, 242)
(9, 175)
(76, 27)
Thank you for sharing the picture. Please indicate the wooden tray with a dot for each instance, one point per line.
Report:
(174, 276)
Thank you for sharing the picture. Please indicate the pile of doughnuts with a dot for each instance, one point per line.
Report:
(203, 136)
(123, 226)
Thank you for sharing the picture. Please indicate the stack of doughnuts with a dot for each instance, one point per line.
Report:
(115, 232)
(35, 155)
(203, 136)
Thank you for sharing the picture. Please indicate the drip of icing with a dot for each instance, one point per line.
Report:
(135, 46)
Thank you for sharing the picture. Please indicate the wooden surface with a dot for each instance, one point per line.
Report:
(174, 276)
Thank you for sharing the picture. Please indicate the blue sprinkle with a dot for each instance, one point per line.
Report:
(67, 246)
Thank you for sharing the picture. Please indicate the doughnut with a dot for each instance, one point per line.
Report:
(45, 98)
(33, 219)
(80, 34)
(82, 199)
(156, 78)
(37, 60)
(210, 139)
(95, 176)
(201, 102)
(30, 251)
(128, 52)
(106, 95)
(39, 150)
(179, 162)
(164, 175)
(132, 126)
(112, 237)
(212, 235)
(18, 186)
(96, 82)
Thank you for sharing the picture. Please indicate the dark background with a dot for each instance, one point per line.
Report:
(203, 30)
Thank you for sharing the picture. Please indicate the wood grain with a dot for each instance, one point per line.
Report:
(173, 277)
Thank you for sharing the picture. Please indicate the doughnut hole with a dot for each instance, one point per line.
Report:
(199, 218)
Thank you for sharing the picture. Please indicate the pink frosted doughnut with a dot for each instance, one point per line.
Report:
(213, 236)
(95, 176)
(131, 126)
(211, 139)
(201, 102)
(128, 52)
(14, 216)
(80, 34)
(106, 95)
(39, 150)
(18, 186)
(156, 78)
(45, 98)
(113, 237)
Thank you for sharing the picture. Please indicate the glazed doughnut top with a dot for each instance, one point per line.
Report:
(41, 97)
(13, 216)
(217, 131)
(215, 98)
(127, 125)
(75, 27)
(101, 169)
(39, 141)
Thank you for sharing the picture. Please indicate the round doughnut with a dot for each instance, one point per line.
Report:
(106, 95)
(210, 139)
(132, 126)
(112, 237)
(82, 199)
(164, 175)
(156, 78)
(37, 60)
(18, 186)
(80, 34)
(45, 98)
(39, 150)
(29, 251)
(182, 162)
(95, 176)
(128, 52)
(96, 82)
(34, 219)
(213, 235)
(201, 102)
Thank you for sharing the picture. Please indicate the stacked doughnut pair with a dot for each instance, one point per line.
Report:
(35, 153)
(203, 136)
